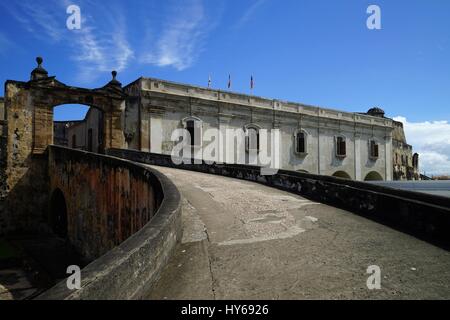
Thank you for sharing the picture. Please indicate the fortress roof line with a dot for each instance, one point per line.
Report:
(253, 100)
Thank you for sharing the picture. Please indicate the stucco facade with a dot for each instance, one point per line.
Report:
(86, 135)
(155, 108)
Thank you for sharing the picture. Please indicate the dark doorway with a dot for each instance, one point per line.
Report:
(58, 214)
(90, 142)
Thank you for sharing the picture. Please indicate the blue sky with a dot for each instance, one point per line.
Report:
(316, 52)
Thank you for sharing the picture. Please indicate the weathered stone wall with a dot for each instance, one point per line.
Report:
(423, 215)
(107, 200)
(26, 172)
(403, 164)
(117, 187)
(3, 185)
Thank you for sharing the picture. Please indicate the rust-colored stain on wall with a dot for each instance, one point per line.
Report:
(106, 201)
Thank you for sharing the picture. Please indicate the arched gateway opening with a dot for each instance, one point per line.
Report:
(42, 93)
(79, 127)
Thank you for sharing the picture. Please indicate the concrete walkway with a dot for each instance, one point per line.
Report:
(243, 240)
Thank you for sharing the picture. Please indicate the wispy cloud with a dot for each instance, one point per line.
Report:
(103, 42)
(97, 52)
(183, 37)
(249, 13)
(95, 48)
(40, 20)
(432, 141)
(5, 43)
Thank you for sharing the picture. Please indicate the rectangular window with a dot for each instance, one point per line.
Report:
(301, 143)
(252, 139)
(190, 126)
(373, 149)
(341, 147)
(195, 132)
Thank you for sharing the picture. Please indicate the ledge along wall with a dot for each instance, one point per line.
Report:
(423, 215)
(124, 212)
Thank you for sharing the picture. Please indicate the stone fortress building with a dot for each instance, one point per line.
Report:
(358, 146)
(124, 217)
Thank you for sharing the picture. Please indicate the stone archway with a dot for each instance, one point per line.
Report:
(30, 105)
(29, 118)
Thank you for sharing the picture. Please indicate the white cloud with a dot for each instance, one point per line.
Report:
(249, 13)
(183, 37)
(432, 141)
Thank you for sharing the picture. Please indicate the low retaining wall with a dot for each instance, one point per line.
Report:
(423, 215)
(129, 270)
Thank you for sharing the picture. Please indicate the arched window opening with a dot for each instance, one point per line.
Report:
(341, 147)
(300, 142)
(252, 142)
(373, 150)
(58, 214)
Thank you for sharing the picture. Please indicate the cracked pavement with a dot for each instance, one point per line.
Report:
(243, 240)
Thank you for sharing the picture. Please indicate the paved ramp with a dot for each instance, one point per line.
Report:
(243, 240)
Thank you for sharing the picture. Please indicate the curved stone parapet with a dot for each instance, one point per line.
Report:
(129, 269)
(423, 215)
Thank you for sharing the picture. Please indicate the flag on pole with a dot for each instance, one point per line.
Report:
(209, 81)
(229, 81)
(252, 83)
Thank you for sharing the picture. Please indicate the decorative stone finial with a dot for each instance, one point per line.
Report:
(114, 81)
(39, 72)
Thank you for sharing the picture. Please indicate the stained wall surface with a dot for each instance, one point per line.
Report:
(107, 199)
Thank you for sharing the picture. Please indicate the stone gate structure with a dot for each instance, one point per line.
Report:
(28, 130)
